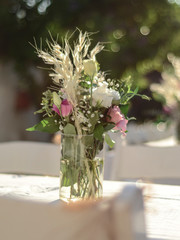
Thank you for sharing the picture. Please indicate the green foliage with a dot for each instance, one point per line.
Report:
(84, 83)
(108, 127)
(108, 140)
(93, 121)
(49, 125)
(66, 174)
(126, 96)
(98, 132)
(125, 109)
(47, 102)
(69, 129)
(126, 93)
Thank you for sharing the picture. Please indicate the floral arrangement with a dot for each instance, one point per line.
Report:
(168, 91)
(82, 101)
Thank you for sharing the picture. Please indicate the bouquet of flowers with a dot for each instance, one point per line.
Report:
(168, 92)
(169, 88)
(83, 103)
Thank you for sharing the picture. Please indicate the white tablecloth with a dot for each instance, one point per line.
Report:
(162, 202)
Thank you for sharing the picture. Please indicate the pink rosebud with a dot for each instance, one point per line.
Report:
(114, 115)
(66, 108)
(122, 126)
(56, 109)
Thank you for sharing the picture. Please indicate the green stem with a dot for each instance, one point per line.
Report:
(83, 195)
(91, 90)
(97, 177)
(89, 176)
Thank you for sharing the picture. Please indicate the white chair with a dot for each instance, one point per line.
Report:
(116, 218)
(140, 133)
(157, 164)
(29, 158)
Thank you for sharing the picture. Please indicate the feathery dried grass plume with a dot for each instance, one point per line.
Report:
(68, 66)
(169, 89)
(68, 62)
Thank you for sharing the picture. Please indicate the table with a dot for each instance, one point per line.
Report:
(162, 202)
(166, 142)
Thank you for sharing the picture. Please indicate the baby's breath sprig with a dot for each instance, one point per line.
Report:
(46, 104)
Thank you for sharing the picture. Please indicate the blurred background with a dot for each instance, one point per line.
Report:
(139, 34)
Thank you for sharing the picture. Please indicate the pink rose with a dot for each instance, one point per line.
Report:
(114, 115)
(66, 108)
(122, 126)
(56, 109)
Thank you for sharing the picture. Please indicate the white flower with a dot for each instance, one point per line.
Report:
(104, 95)
(81, 118)
(114, 94)
(90, 67)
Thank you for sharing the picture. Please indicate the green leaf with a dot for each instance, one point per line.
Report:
(124, 109)
(64, 170)
(134, 93)
(69, 129)
(56, 99)
(39, 111)
(48, 125)
(98, 132)
(93, 121)
(69, 174)
(145, 97)
(65, 182)
(109, 127)
(109, 141)
(88, 141)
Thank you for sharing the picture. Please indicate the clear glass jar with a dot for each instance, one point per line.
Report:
(81, 167)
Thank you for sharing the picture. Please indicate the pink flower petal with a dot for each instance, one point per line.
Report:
(66, 108)
(56, 109)
(114, 115)
(122, 126)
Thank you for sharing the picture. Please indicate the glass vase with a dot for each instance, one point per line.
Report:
(81, 167)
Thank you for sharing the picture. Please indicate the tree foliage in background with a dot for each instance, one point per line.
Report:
(139, 33)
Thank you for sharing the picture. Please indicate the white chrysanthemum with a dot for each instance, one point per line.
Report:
(104, 95)
(114, 94)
